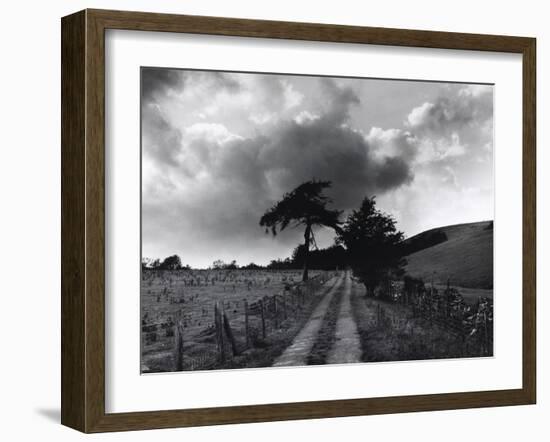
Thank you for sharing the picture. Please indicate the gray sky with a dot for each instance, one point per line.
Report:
(218, 149)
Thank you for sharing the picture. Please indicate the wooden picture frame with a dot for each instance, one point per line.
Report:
(83, 220)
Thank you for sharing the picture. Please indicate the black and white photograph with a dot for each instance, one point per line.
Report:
(297, 220)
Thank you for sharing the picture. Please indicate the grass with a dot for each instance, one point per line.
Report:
(264, 352)
(400, 336)
(466, 258)
(190, 295)
(470, 295)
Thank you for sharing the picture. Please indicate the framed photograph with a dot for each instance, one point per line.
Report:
(269, 220)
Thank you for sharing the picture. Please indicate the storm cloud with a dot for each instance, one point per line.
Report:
(157, 82)
(219, 149)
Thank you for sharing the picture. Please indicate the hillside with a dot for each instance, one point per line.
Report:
(462, 253)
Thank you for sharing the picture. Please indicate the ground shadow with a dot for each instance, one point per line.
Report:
(51, 414)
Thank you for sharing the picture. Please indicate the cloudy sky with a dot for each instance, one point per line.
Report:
(218, 149)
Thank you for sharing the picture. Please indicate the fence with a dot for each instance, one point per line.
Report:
(473, 324)
(239, 326)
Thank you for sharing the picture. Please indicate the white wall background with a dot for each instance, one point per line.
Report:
(30, 217)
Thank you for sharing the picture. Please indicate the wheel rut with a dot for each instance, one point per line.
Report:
(347, 345)
(298, 352)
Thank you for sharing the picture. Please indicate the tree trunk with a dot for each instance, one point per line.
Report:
(307, 235)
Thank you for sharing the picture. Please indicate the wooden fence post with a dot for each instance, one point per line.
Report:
(486, 334)
(275, 311)
(284, 307)
(178, 348)
(246, 324)
(262, 309)
(230, 336)
(219, 331)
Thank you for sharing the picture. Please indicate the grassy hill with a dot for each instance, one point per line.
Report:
(462, 253)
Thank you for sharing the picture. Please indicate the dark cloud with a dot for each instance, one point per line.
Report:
(246, 176)
(339, 101)
(322, 150)
(162, 141)
(155, 82)
(392, 173)
(207, 187)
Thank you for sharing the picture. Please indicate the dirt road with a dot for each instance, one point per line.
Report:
(298, 351)
(345, 347)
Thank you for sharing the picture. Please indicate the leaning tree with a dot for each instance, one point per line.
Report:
(304, 206)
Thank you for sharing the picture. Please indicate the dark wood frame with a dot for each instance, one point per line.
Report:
(83, 217)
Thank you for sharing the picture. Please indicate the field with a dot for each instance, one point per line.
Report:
(189, 297)
(224, 319)
(236, 318)
(470, 295)
(391, 332)
(465, 257)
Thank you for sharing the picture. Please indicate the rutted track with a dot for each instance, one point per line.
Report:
(330, 336)
(299, 350)
(347, 346)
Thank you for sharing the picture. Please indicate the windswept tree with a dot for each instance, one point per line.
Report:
(373, 244)
(304, 206)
